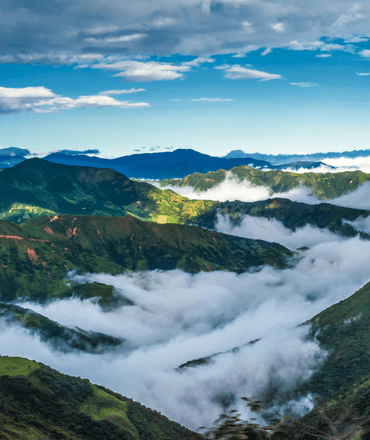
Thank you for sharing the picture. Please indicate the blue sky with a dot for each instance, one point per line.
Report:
(269, 77)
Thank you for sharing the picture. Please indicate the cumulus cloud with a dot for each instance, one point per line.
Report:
(278, 27)
(42, 100)
(177, 317)
(365, 53)
(238, 72)
(142, 71)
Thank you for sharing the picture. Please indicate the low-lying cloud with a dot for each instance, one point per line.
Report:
(177, 317)
(274, 231)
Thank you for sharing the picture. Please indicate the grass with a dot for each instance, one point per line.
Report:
(14, 366)
(103, 406)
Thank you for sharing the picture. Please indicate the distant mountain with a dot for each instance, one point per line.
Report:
(286, 158)
(302, 165)
(14, 151)
(11, 156)
(175, 164)
(7, 161)
(324, 186)
(39, 402)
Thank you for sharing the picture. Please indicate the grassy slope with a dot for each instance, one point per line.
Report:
(39, 402)
(325, 186)
(35, 256)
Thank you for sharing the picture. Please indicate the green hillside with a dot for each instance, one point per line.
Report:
(35, 187)
(40, 403)
(343, 330)
(292, 215)
(323, 185)
(35, 256)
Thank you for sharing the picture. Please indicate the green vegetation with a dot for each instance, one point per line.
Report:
(343, 330)
(40, 403)
(35, 256)
(20, 212)
(21, 367)
(33, 188)
(324, 186)
(292, 215)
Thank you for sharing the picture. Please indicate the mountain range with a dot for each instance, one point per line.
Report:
(60, 218)
(167, 165)
(279, 159)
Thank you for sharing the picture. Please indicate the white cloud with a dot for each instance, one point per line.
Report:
(121, 92)
(278, 27)
(304, 84)
(197, 27)
(365, 53)
(324, 55)
(274, 231)
(162, 22)
(198, 61)
(296, 45)
(212, 99)
(238, 72)
(42, 100)
(266, 52)
(145, 71)
(114, 40)
(356, 39)
(363, 73)
(102, 29)
(348, 17)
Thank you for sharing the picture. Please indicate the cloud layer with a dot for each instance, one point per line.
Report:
(63, 29)
(177, 317)
(43, 100)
